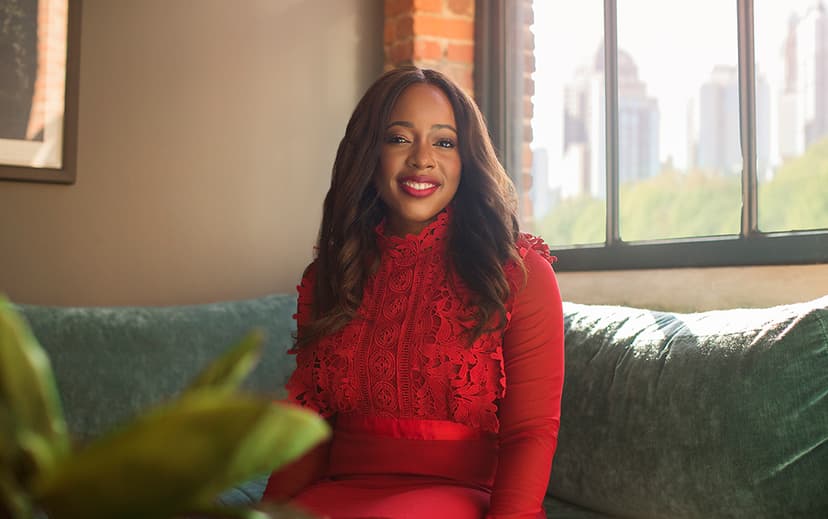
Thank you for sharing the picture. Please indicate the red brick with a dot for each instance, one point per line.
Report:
(527, 156)
(462, 75)
(428, 6)
(390, 32)
(404, 28)
(462, 52)
(528, 108)
(427, 50)
(456, 29)
(527, 182)
(396, 7)
(529, 62)
(528, 40)
(461, 6)
(401, 53)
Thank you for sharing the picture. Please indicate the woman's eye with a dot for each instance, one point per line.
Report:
(395, 139)
(446, 143)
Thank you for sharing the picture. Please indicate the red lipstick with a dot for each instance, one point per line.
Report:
(418, 186)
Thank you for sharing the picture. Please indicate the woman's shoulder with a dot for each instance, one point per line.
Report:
(536, 270)
(310, 270)
(306, 284)
(533, 249)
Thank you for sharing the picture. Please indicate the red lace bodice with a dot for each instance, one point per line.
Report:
(403, 360)
(406, 355)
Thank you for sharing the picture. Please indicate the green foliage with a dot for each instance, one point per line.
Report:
(797, 197)
(575, 221)
(229, 371)
(33, 437)
(678, 205)
(174, 459)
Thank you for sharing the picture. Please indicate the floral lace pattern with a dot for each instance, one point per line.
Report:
(406, 353)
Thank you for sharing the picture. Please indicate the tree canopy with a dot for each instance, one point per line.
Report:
(675, 204)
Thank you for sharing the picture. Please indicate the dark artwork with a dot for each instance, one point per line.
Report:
(18, 66)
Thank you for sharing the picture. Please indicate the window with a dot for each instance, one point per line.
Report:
(664, 134)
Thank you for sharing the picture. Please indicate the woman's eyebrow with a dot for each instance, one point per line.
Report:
(408, 124)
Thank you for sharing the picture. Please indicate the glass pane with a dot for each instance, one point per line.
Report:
(568, 162)
(792, 71)
(678, 130)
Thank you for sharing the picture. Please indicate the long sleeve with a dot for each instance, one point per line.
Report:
(301, 386)
(293, 477)
(529, 412)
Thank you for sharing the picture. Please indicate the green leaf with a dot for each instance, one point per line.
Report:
(265, 510)
(178, 456)
(221, 512)
(37, 439)
(14, 501)
(229, 370)
(283, 511)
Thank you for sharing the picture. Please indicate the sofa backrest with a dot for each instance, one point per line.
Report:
(714, 414)
(111, 363)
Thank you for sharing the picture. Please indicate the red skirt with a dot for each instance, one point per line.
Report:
(400, 469)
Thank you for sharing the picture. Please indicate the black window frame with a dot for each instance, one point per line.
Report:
(499, 88)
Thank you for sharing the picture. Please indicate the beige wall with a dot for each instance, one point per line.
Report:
(697, 289)
(206, 135)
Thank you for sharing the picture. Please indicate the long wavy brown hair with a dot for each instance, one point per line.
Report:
(483, 228)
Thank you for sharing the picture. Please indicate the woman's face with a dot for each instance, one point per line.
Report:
(419, 160)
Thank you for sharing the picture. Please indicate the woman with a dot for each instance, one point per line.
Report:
(430, 331)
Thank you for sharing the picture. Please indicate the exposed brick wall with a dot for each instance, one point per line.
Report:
(437, 34)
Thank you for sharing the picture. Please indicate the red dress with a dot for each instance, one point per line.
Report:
(426, 426)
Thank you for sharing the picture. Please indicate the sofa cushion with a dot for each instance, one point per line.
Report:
(714, 414)
(557, 509)
(111, 363)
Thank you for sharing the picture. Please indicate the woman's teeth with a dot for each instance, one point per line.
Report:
(419, 186)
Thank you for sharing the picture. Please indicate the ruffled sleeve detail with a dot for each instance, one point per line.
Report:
(527, 242)
(304, 301)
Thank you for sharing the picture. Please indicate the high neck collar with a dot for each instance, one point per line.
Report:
(433, 236)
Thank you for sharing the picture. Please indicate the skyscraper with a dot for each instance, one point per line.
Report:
(803, 101)
(719, 142)
(584, 128)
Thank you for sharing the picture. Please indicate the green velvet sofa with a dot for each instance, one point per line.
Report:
(664, 415)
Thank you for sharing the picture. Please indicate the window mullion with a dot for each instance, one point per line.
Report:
(747, 118)
(611, 119)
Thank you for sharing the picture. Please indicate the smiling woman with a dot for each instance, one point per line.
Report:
(424, 304)
(419, 162)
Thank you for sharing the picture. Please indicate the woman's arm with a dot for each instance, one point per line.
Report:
(292, 478)
(529, 412)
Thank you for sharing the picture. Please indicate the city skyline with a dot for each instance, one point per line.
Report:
(706, 71)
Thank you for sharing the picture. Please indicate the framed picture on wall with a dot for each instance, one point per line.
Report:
(39, 47)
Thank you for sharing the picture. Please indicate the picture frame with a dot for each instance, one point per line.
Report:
(40, 65)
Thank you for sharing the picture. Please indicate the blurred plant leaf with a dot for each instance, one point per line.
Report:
(14, 501)
(283, 511)
(37, 430)
(229, 371)
(265, 510)
(222, 512)
(179, 455)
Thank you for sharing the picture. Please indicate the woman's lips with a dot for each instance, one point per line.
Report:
(418, 189)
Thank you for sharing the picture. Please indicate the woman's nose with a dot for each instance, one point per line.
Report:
(421, 156)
